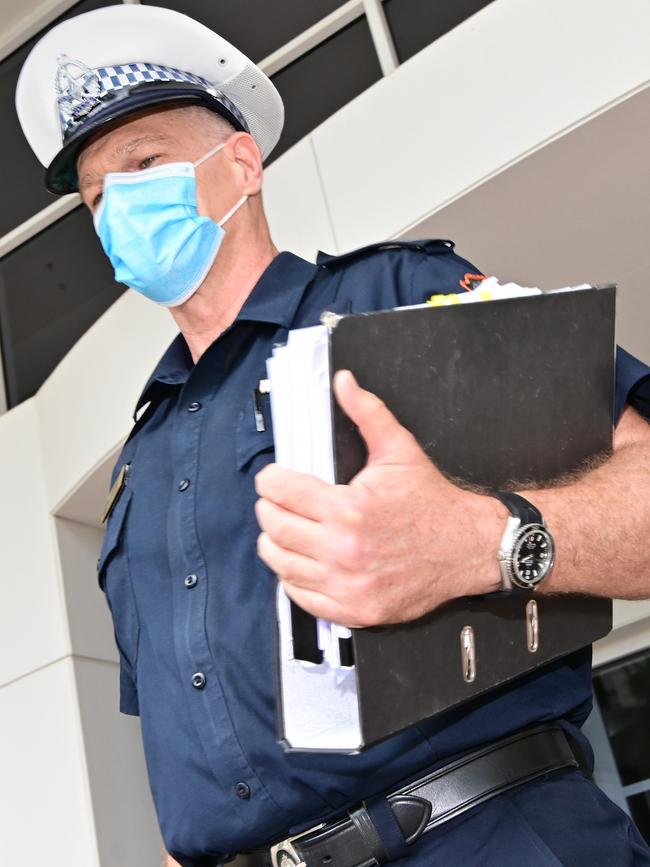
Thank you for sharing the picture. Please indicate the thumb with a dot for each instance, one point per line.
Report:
(384, 436)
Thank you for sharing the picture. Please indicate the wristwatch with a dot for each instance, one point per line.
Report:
(527, 550)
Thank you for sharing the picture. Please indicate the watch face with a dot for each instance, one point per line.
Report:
(532, 556)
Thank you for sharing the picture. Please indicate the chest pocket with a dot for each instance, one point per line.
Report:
(114, 578)
(253, 447)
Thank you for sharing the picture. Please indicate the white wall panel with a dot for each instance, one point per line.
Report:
(575, 211)
(124, 817)
(45, 810)
(85, 406)
(627, 612)
(33, 627)
(514, 76)
(295, 203)
(90, 624)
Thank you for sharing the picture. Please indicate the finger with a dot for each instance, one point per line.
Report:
(293, 532)
(290, 567)
(383, 434)
(320, 605)
(301, 493)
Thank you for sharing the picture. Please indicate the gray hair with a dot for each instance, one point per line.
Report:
(218, 128)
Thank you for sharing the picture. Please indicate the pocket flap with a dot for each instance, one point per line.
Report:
(113, 533)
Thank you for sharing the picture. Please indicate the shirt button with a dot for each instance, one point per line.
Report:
(190, 580)
(194, 406)
(198, 680)
(243, 791)
(184, 485)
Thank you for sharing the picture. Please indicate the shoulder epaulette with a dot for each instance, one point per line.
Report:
(430, 246)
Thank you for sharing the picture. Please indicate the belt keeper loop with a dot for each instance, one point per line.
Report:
(387, 827)
(369, 834)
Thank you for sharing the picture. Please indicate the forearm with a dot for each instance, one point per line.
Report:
(601, 526)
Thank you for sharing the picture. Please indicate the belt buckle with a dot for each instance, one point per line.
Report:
(284, 854)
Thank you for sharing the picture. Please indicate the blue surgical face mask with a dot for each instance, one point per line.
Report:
(150, 229)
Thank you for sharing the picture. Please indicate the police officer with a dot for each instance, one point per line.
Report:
(162, 126)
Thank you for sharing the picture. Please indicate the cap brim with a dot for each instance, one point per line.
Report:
(61, 174)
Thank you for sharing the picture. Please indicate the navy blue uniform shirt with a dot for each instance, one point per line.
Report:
(193, 606)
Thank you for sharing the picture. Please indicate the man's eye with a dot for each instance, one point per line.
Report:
(97, 199)
(146, 162)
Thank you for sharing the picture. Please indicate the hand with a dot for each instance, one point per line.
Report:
(395, 543)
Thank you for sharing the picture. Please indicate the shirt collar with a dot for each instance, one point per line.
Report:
(277, 294)
(172, 369)
(274, 298)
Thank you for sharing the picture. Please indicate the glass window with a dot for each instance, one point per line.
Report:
(618, 729)
(52, 289)
(623, 693)
(275, 23)
(322, 81)
(21, 174)
(416, 23)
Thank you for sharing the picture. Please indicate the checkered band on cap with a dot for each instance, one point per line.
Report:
(81, 90)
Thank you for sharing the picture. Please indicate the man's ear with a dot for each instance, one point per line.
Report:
(243, 150)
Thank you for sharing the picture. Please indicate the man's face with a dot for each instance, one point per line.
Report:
(154, 138)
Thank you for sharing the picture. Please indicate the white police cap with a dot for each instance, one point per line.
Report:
(101, 66)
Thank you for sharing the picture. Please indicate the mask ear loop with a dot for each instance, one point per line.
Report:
(237, 204)
(209, 154)
(233, 210)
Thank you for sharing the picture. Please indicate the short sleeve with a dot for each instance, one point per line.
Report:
(632, 384)
(443, 273)
(128, 691)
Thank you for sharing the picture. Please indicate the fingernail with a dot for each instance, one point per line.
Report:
(345, 378)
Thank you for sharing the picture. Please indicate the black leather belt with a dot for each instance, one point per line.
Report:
(414, 809)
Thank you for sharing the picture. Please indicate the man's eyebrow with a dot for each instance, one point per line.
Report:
(130, 145)
(121, 150)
